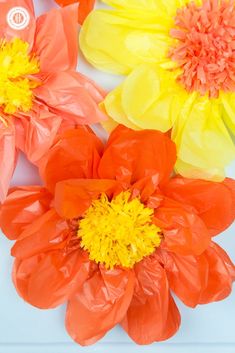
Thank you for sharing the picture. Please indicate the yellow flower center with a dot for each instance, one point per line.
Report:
(16, 82)
(118, 232)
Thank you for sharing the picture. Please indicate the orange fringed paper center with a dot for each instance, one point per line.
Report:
(205, 51)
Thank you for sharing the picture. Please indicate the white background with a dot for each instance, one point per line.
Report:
(24, 329)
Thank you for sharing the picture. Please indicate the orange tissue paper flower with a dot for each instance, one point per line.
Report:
(85, 7)
(114, 233)
(39, 87)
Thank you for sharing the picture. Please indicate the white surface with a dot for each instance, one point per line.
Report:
(24, 329)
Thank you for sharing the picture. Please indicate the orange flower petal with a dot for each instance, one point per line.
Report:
(47, 232)
(56, 42)
(73, 96)
(48, 280)
(146, 189)
(152, 315)
(38, 134)
(85, 6)
(187, 276)
(184, 231)
(214, 202)
(220, 276)
(131, 155)
(200, 279)
(99, 305)
(73, 197)
(75, 154)
(8, 156)
(22, 206)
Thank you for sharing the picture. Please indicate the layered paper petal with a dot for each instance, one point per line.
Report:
(48, 280)
(184, 232)
(35, 135)
(140, 37)
(85, 6)
(72, 95)
(23, 205)
(31, 242)
(99, 305)
(202, 279)
(8, 156)
(132, 155)
(213, 202)
(152, 315)
(113, 107)
(75, 154)
(150, 5)
(149, 98)
(221, 275)
(202, 139)
(187, 276)
(227, 100)
(53, 29)
(74, 196)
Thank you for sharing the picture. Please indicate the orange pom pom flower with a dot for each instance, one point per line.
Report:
(113, 234)
(39, 87)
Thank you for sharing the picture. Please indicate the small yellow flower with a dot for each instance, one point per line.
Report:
(179, 56)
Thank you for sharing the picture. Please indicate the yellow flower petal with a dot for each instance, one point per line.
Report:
(135, 4)
(191, 171)
(109, 125)
(149, 98)
(118, 41)
(228, 102)
(202, 139)
(113, 107)
(140, 90)
(169, 6)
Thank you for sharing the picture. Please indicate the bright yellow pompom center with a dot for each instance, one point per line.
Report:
(16, 82)
(118, 232)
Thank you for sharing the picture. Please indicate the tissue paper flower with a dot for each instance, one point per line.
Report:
(113, 234)
(39, 88)
(180, 57)
(85, 6)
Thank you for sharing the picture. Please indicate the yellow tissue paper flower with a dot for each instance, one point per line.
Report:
(179, 58)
